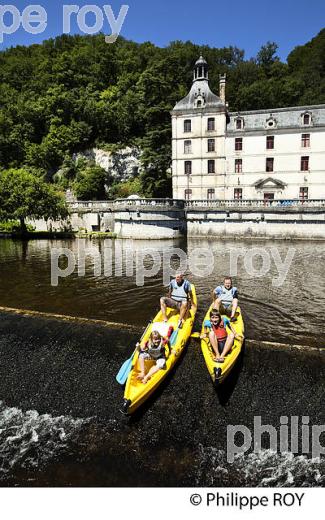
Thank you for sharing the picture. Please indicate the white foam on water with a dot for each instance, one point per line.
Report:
(29, 439)
(265, 469)
(281, 469)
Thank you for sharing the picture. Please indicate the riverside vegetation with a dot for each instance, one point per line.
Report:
(72, 93)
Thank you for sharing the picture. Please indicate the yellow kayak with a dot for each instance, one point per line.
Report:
(219, 371)
(136, 392)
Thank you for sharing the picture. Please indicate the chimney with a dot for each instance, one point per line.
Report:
(222, 92)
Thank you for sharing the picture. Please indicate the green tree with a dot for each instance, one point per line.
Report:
(267, 55)
(27, 196)
(123, 190)
(91, 183)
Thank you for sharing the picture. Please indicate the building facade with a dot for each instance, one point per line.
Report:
(262, 154)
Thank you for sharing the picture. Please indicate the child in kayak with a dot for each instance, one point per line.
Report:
(154, 349)
(220, 338)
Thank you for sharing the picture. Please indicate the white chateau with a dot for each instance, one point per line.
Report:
(260, 154)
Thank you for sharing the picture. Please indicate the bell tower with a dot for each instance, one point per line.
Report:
(199, 130)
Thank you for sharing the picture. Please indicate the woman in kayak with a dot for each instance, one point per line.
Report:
(220, 338)
(154, 349)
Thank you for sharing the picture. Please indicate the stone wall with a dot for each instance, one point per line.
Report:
(163, 219)
(296, 222)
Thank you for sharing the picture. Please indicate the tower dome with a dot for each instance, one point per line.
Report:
(201, 69)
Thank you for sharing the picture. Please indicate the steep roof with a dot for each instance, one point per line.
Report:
(200, 88)
(200, 97)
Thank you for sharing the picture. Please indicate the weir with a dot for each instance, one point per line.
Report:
(67, 370)
(249, 343)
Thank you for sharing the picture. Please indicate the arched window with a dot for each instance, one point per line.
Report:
(306, 119)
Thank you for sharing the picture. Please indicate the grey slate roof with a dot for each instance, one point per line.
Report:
(290, 117)
(200, 86)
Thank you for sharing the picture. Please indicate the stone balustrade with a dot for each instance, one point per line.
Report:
(120, 204)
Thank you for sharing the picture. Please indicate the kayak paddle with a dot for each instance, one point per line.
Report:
(126, 368)
(173, 337)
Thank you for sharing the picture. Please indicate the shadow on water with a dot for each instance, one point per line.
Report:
(226, 389)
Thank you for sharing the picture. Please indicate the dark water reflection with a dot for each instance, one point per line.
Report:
(291, 313)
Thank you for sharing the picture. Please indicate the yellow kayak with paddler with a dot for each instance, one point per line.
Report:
(219, 371)
(137, 392)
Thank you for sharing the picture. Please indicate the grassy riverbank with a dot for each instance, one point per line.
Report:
(48, 235)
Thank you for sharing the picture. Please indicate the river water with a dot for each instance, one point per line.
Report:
(59, 412)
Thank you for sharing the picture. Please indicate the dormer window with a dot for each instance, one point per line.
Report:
(199, 99)
(271, 122)
(306, 119)
(239, 123)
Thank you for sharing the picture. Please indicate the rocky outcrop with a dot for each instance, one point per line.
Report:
(122, 164)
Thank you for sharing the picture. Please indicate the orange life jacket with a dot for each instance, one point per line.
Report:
(220, 331)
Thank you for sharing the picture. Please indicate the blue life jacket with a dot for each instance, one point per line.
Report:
(180, 293)
(226, 295)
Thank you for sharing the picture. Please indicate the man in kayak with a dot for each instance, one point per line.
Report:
(221, 335)
(179, 297)
(225, 298)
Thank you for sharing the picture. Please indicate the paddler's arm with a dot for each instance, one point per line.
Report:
(142, 348)
(206, 332)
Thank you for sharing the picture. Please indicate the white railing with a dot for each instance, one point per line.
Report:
(285, 203)
(150, 202)
(91, 205)
(122, 203)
